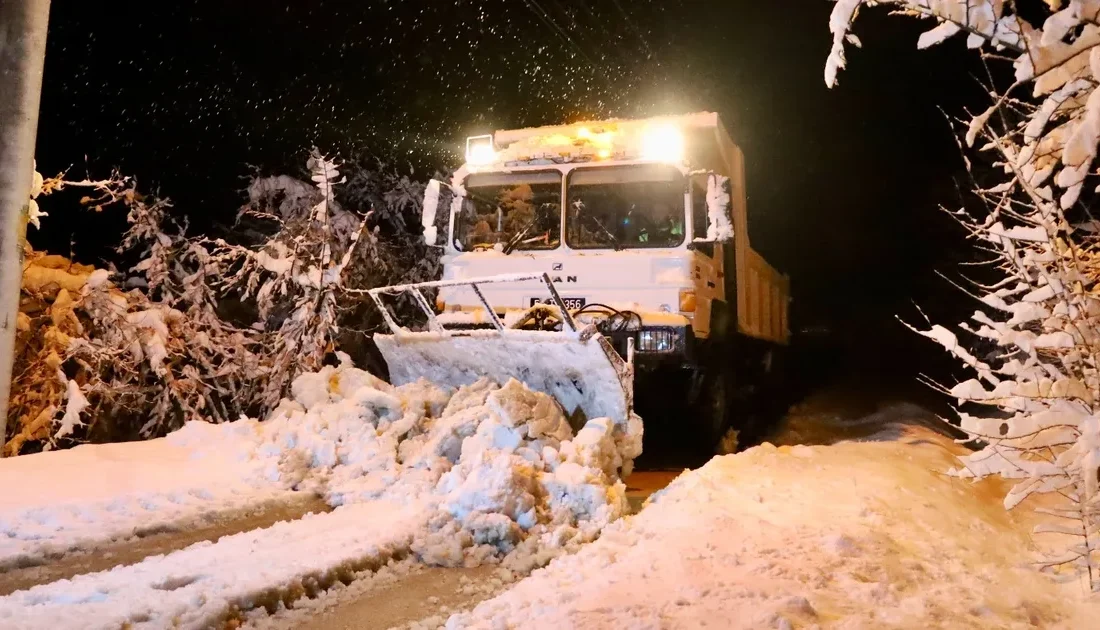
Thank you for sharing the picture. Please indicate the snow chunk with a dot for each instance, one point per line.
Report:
(719, 227)
(76, 405)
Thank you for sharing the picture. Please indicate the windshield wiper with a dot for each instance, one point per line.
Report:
(579, 205)
(518, 238)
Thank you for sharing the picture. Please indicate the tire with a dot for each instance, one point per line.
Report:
(776, 387)
(712, 408)
(765, 402)
(719, 384)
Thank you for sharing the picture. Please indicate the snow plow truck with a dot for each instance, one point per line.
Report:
(606, 263)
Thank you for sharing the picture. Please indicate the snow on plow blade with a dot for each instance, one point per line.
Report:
(577, 367)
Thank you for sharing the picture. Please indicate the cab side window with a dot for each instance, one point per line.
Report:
(699, 213)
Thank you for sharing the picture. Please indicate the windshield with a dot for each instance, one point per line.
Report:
(626, 207)
(515, 210)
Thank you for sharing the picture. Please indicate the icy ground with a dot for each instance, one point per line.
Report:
(858, 534)
(489, 473)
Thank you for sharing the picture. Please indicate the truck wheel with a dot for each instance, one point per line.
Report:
(713, 409)
(719, 413)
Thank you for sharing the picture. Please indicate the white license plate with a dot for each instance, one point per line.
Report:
(571, 303)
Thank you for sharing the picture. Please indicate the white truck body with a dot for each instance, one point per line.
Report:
(655, 283)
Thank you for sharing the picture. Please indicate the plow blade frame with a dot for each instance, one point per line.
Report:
(579, 368)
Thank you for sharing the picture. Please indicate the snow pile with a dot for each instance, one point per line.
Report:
(501, 463)
(855, 535)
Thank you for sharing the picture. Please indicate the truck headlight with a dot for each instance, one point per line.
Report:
(656, 341)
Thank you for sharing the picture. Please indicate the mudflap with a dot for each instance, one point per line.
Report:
(714, 409)
(579, 369)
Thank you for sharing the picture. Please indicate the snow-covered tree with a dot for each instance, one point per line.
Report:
(307, 275)
(1041, 130)
(294, 277)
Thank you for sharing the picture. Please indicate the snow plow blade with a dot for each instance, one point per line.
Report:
(579, 368)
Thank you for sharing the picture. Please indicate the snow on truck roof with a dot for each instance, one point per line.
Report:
(613, 139)
(705, 120)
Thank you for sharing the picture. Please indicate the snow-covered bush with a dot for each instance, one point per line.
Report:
(95, 361)
(294, 277)
(1042, 313)
(208, 329)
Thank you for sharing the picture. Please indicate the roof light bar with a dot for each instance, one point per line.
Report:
(664, 144)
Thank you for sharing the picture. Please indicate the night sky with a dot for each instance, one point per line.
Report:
(843, 184)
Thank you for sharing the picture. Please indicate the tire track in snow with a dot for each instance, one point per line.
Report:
(111, 554)
(410, 595)
(214, 584)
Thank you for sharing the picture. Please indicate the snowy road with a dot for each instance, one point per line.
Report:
(404, 593)
(861, 530)
(411, 594)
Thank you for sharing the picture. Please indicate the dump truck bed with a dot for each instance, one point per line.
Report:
(763, 293)
(762, 298)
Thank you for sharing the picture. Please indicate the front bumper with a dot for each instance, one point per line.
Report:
(654, 346)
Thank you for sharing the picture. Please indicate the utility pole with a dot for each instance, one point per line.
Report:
(22, 56)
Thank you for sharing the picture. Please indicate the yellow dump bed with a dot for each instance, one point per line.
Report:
(763, 294)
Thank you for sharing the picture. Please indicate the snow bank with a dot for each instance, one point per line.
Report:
(487, 473)
(58, 501)
(855, 535)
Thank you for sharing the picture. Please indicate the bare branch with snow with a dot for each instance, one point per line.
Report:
(1043, 316)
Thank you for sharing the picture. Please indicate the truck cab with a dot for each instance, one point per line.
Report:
(640, 224)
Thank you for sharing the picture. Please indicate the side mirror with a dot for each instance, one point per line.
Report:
(719, 209)
(436, 224)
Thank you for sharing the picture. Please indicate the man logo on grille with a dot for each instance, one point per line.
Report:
(556, 267)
